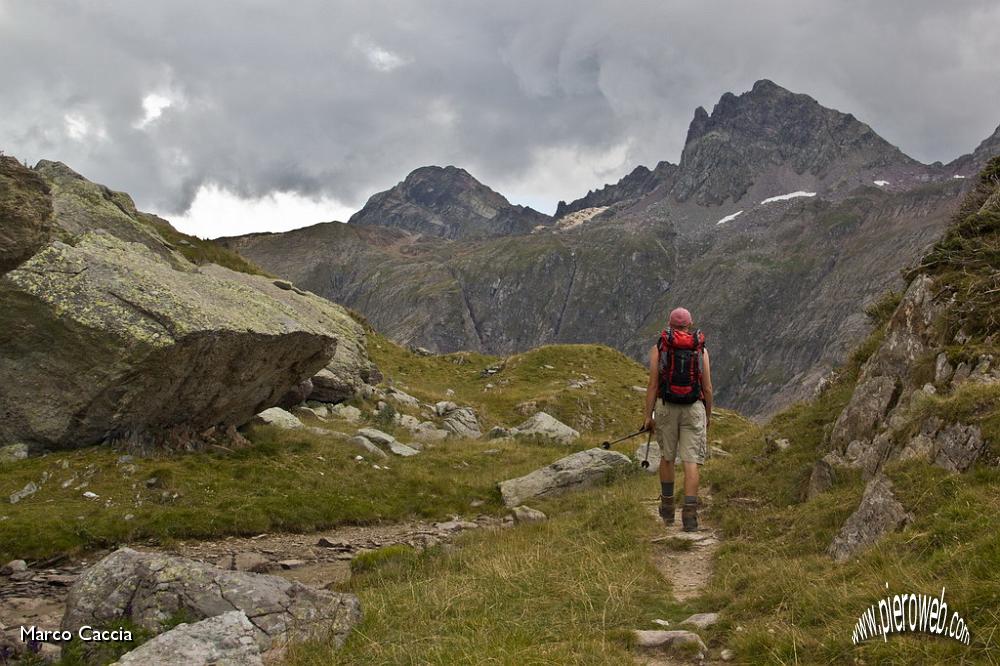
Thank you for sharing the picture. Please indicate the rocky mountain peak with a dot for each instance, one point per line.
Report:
(770, 128)
(447, 202)
(639, 182)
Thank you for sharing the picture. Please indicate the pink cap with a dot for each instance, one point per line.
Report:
(680, 318)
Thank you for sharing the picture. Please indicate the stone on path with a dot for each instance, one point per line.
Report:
(673, 641)
(702, 620)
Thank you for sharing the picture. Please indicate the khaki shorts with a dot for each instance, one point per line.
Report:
(680, 430)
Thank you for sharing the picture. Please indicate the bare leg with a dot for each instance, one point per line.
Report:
(690, 478)
(666, 470)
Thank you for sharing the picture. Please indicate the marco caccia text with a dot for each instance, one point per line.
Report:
(85, 633)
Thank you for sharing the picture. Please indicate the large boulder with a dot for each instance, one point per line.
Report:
(581, 469)
(107, 333)
(545, 426)
(229, 638)
(878, 514)
(462, 422)
(151, 588)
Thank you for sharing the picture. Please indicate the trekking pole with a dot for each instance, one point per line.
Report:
(645, 461)
(607, 445)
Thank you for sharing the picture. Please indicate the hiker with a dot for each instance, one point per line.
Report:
(680, 388)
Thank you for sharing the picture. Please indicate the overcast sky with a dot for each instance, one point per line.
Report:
(228, 117)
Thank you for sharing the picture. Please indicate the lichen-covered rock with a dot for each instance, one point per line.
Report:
(227, 639)
(878, 514)
(109, 332)
(547, 427)
(138, 349)
(581, 469)
(151, 588)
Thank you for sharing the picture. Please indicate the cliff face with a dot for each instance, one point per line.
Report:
(782, 221)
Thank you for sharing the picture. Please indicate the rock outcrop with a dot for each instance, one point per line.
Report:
(108, 334)
(581, 469)
(878, 514)
(151, 588)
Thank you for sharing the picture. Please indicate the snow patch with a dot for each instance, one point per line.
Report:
(881, 183)
(790, 195)
(729, 218)
(957, 176)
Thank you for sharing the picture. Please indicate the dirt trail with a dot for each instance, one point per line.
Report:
(38, 596)
(684, 560)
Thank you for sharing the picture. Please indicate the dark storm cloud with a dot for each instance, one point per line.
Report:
(342, 99)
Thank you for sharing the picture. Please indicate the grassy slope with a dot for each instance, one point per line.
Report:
(540, 376)
(302, 481)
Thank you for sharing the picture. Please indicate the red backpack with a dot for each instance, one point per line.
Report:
(680, 366)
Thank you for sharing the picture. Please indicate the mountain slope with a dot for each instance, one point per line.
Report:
(777, 282)
(917, 408)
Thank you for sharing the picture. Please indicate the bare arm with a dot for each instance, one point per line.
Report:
(706, 375)
(652, 387)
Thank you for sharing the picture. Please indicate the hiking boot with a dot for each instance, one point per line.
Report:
(667, 509)
(689, 517)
